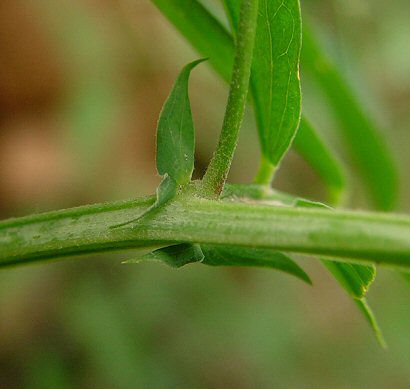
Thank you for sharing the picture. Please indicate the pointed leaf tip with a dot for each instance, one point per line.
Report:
(371, 320)
(175, 131)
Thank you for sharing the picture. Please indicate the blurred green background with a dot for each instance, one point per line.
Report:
(81, 86)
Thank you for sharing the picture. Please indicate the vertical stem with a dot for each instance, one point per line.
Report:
(217, 172)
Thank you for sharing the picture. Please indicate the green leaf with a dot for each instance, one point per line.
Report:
(371, 319)
(275, 76)
(366, 144)
(211, 39)
(232, 12)
(175, 131)
(175, 142)
(175, 256)
(275, 81)
(355, 279)
(315, 152)
(241, 256)
(166, 191)
(181, 254)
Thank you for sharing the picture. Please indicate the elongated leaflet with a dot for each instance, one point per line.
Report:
(275, 73)
(176, 133)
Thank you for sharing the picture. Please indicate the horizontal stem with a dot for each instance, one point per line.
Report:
(366, 237)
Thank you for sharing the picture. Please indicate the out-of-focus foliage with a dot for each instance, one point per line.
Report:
(372, 155)
(97, 323)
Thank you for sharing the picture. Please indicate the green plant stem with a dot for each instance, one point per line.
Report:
(367, 237)
(217, 172)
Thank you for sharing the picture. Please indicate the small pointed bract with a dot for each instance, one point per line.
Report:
(175, 131)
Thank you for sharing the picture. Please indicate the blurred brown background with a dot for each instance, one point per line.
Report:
(81, 86)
